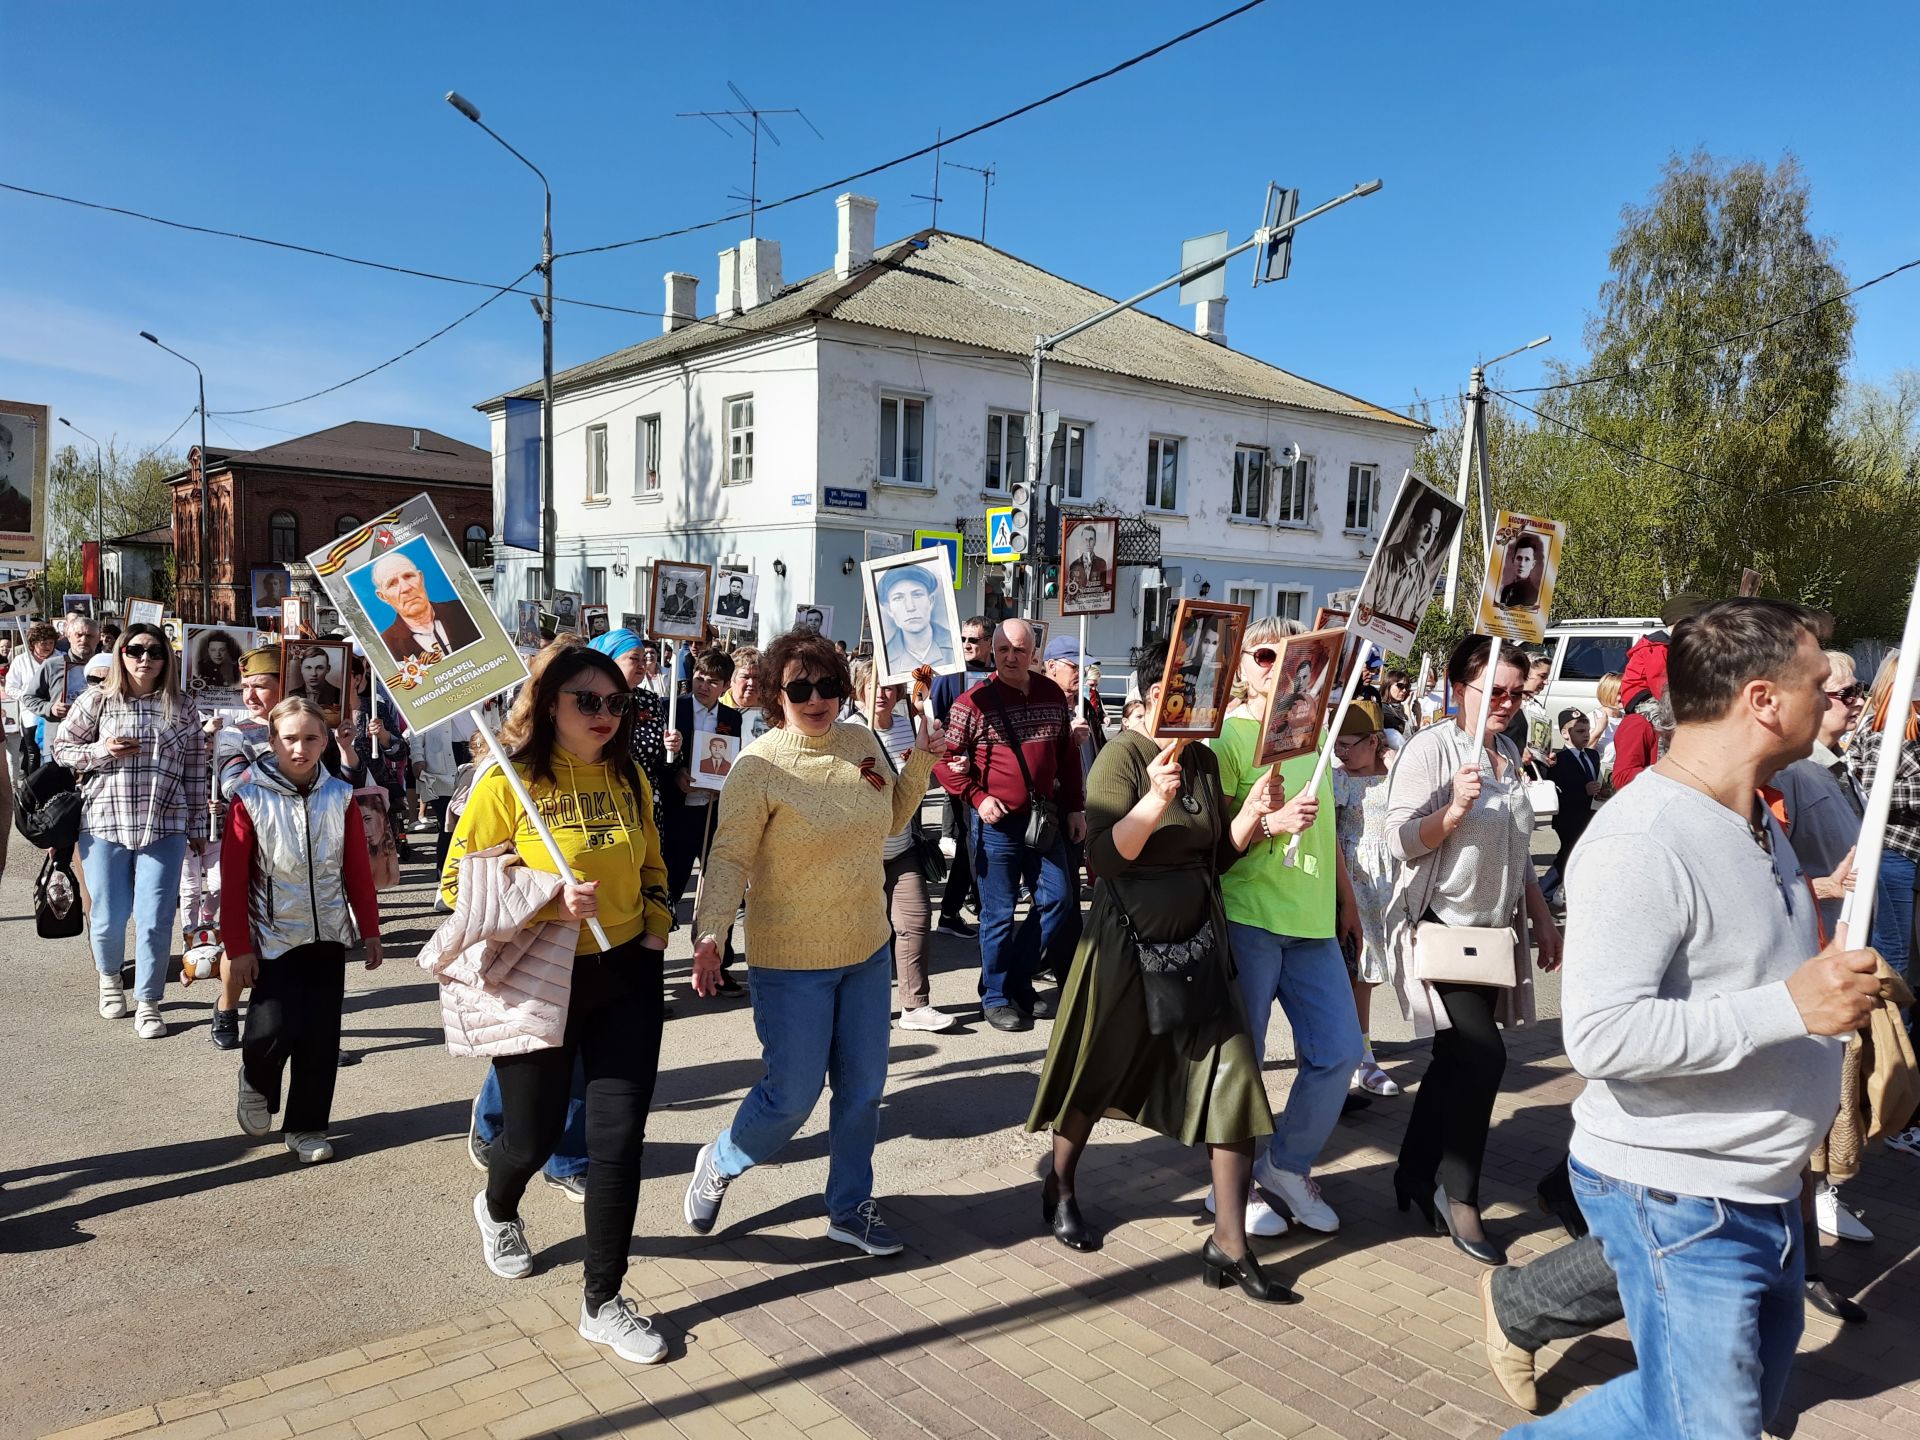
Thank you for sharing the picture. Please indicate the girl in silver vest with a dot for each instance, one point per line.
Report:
(293, 862)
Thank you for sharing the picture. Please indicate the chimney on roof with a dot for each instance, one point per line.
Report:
(759, 271)
(683, 301)
(416, 439)
(727, 301)
(1210, 321)
(855, 252)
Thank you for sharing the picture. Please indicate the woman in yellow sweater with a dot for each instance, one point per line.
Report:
(571, 738)
(804, 820)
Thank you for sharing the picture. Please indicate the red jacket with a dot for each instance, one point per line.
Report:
(1635, 747)
(1646, 669)
(981, 762)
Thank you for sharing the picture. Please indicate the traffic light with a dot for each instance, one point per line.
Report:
(1050, 582)
(1020, 497)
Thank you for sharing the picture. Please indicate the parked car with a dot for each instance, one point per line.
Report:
(1584, 650)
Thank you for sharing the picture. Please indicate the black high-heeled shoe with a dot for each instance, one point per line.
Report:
(1216, 1270)
(1485, 1251)
(1408, 1195)
(1063, 1218)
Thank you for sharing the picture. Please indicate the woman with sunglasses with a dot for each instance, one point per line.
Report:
(804, 822)
(1459, 822)
(569, 736)
(138, 742)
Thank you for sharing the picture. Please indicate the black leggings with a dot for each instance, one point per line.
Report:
(1447, 1133)
(613, 1027)
(293, 1017)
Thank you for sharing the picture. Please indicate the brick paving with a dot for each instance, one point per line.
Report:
(986, 1328)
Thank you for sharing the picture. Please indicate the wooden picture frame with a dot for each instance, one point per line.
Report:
(677, 602)
(1203, 657)
(1090, 567)
(1306, 677)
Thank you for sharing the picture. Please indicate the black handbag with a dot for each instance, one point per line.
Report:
(49, 920)
(1183, 981)
(1043, 815)
(46, 808)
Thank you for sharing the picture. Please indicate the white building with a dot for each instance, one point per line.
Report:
(889, 394)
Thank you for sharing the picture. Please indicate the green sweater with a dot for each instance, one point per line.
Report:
(804, 822)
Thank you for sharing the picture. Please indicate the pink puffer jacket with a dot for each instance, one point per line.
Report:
(504, 985)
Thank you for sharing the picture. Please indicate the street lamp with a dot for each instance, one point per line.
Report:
(206, 569)
(99, 504)
(548, 520)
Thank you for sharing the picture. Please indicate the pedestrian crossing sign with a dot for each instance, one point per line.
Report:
(1000, 547)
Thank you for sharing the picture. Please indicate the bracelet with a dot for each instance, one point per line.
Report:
(1264, 830)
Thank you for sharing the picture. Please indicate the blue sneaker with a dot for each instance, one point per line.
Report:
(864, 1230)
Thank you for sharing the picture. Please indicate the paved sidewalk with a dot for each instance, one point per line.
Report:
(985, 1328)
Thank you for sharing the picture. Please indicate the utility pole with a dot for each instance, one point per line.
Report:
(1027, 498)
(1473, 458)
(99, 502)
(986, 174)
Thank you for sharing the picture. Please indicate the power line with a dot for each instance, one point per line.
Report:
(1717, 344)
(1609, 444)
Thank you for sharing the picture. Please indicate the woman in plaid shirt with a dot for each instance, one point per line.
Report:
(136, 746)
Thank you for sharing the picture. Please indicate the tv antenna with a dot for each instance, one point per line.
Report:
(986, 174)
(749, 112)
(938, 137)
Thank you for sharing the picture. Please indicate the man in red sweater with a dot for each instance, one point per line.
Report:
(1010, 742)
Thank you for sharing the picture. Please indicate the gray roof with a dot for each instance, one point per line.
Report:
(962, 290)
(363, 447)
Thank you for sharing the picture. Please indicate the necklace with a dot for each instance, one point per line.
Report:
(1755, 828)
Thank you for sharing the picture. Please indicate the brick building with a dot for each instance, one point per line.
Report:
(275, 505)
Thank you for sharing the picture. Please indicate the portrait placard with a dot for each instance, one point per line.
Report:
(916, 624)
(316, 670)
(566, 610)
(678, 608)
(20, 599)
(296, 616)
(73, 603)
(733, 597)
(1400, 581)
(594, 617)
(1089, 564)
(210, 668)
(526, 624)
(1202, 661)
(269, 588)
(810, 616)
(1523, 562)
(176, 632)
(144, 612)
(1296, 706)
(23, 480)
(633, 622)
(713, 758)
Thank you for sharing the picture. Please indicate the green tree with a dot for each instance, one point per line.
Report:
(127, 494)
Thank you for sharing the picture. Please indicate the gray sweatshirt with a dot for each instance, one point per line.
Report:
(1702, 1079)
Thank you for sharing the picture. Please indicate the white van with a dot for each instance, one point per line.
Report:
(1584, 650)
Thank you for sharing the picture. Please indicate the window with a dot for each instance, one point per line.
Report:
(596, 463)
(1363, 481)
(283, 537)
(1156, 616)
(1067, 465)
(739, 440)
(346, 524)
(1588, 657)
(1289, 604)
(1249, 483)
(475, 547)
(903, 440)
(1006, 450)
(1293, 492)
(1163, 474)
(536, 583)
(646, 455)
(1254, 597)
(595, 590)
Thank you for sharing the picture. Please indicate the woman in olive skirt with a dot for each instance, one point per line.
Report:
(1159, 833)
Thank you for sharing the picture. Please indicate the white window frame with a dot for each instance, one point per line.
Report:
(1057, 464)
(1237, 509)
(1258, 588)
(596, 464)
(1302, 593)
(1298, 515)
(593, 585)
(1156, 477)
(646, 457)
(900, 400)
(737, 450)
(1011, 464)
(1362, 524)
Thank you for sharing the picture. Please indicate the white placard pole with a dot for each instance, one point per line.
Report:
(519, 787)
(1333, 733)
(1478, 734)
(1420, 687)
(1080, 700)
(1873, 827)
(1470, 423)
(673, 683)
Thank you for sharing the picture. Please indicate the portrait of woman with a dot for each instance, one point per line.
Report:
(1202, 660)
(218, 663)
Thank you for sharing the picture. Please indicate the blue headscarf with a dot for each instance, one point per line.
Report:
(615, 643)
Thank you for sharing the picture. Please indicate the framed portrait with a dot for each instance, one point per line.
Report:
(269, 588)
(713, 759)
(370, 808)
(1089, 564)
(566, 609)
(404, 591)
(176, 632)
(1523, 562)
(678, 607)
(811, 615)
(144, 612)
(210, 665)
(526, 624)
(1202, 660)
(1407, 566)
(20, 599)
(916, 622)
(1305, 678)
(594, 617)
(633, 622)
(296, 616)
(733, 596)
(951, 541)
(1040, 628)
(317, 670)
(1328, 618)
(23, 480)
(73, 604)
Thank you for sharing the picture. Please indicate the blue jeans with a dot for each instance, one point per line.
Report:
(817, 1027)
(1010, 955)
(138, 885)
(1712, 1294)
(1309, 978)
(1893, 910)
(569, 1157)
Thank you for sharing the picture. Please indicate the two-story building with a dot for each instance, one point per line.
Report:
(799, 428)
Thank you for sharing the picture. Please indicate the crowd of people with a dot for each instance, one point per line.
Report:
(1150, 902)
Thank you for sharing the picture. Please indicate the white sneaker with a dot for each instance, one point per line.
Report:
(925, 1018)
(624, 1330)
(503, 1243)
(255, 1118)
(1907, 1140)
(1368, 1076)
(310, 1145)
(147, 1023)
(113, 998)
(1835, 1218)
(1262, 1219)
(1299, 1193)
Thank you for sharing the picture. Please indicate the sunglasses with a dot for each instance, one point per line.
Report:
(1264, 657)
(973, 639)
(1503, 692)
(1847, 694)
(590, 703)
(143, 652)
(803, 690)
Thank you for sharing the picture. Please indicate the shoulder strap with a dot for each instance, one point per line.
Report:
(1013, 739)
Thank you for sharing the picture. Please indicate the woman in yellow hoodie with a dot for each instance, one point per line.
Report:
(570, 735)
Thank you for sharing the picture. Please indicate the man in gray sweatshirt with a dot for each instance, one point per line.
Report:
(1698, 1010)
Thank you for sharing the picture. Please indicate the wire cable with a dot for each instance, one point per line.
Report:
(1609, 444)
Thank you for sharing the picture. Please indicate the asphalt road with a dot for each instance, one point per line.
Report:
(148, 1248)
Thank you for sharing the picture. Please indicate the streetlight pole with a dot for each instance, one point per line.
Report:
(99, 503)
(549, 520)
(206, 566)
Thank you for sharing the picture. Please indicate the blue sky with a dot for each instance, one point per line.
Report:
(1509, 138)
